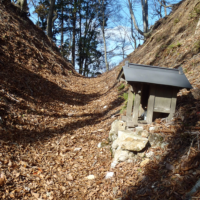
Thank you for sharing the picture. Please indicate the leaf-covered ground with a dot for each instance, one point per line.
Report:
(52, 119)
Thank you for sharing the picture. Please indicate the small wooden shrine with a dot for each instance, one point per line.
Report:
(155, 91)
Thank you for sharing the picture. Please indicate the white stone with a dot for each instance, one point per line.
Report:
(123, 134)
(130, 160)
(145, 134)
(103, 144)
(99, 145)
(27, 189)
(139, 129)
(141, 154)
(105, 106)
(128, 140)
(109, 175)
(155, 139)
(144, 162)
(113, 164)
(132, 144)
(115, 126)
(149, 154)
(121, 155)
(152, 128)
(90, 177)
(115, 145)
(162, 146)
(77, 149)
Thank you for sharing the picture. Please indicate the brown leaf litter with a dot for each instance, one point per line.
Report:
(52, 120)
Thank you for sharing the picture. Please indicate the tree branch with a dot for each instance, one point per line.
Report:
(171, 5)
(135, 23)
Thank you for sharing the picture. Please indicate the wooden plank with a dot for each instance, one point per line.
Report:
(129, 104)
(141, 110)
(136, 107)
(150, 105)
(161, 110)
(173, 103)
(163, 95)
(124, 118)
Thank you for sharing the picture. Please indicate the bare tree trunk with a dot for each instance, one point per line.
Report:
(103, 33)
(134, 39)
(49, 19)
(80, 46)
(164, 5)
(61, 41)
(144, 4)
(74, 35)
(146, 32)
(85, 68)
(165, 8)
(23, 5)
(134, 20)
(105, 50)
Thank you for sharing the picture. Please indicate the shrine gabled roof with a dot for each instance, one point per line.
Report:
(155, 75)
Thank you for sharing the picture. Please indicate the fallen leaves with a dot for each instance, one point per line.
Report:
(2, 179)
(69, 177)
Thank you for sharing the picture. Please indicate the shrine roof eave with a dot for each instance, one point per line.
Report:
(155, 75)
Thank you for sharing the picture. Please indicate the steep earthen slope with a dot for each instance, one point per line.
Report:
(174, 42)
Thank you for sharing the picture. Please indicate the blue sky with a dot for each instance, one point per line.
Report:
(119, 29)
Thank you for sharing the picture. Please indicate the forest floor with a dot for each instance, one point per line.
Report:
(52, 120)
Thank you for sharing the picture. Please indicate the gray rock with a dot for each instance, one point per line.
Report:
(149, 154)
(102, 144)
(114, 163)
(169, 167)
(145, 134)
(144, 162)
(157, 157)
(115, 127)
(155, 139)
(109, 175)
(133, 144)
(131, 160)
(90, 177)
(163, 145)
(152, 128)
(121, 156)
(138, 130)
(128, 140)
(77, 149)
(141, 155)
